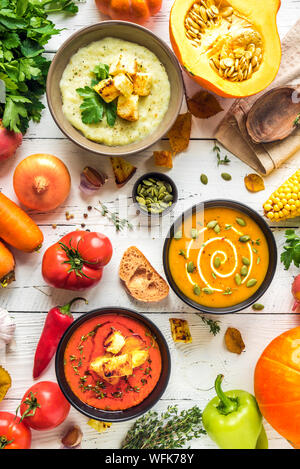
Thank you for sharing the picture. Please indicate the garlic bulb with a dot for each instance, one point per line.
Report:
(7, 329)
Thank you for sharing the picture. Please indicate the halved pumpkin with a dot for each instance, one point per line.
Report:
(230, 47)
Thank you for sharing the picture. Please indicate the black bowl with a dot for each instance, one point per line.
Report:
(118, 415)
(271, 245)
(162, 177)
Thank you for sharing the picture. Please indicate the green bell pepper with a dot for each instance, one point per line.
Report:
(233, 420)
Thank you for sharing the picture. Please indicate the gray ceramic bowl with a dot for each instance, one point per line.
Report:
(127, 31)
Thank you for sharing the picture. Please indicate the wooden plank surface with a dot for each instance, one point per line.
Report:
(194, 366)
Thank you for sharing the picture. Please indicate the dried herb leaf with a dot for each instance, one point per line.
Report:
(204, 105)
(163, 158)
(254, 182)
(5, 382)
(234, 341)
(179, 135)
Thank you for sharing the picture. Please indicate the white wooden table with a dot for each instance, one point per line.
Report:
(194, 366)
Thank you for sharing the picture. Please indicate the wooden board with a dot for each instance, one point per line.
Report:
(195, 366)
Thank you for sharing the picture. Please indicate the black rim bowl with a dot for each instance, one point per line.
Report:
(162, 177)
(271, 245)
(117, 415)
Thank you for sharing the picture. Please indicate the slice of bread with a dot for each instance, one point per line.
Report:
(140, 278)
(123, 170)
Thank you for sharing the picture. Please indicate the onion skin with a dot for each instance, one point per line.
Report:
(296, 292)
(42, 182)
(9, 142)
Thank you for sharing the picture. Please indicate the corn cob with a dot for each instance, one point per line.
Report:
(284, 203)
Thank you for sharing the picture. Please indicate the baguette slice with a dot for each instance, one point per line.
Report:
(123, 170)
(140, 278)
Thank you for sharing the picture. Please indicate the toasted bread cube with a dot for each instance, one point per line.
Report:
(128, 107)
(112, 367)
(123, 83)
(114, 342)
(107, 90)
(142, 84)
(139, 357)
(123, 65)
(180, 331)
(123, 170)
(163, 158)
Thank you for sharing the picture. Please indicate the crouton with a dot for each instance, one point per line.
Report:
(163, 158)
(180, 330)
(107, 90)
(128, 107)
(114, 342)
(123, 83)
(139, 357)
(142, 84)
(123, 65)
(112, 367)
(123, 170)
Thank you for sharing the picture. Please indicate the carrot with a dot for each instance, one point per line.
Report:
(7, 266)
(17, 228)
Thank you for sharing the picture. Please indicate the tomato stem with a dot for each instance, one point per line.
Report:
(76, 261)
(32, 403)
(4, 441)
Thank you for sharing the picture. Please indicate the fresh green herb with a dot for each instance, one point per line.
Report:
(214, 327)
(120, 223)
(182, 253)
(93, 107)
(223, 161)
(24, 31)
(169, 430)
(291, 251)
(297, 120)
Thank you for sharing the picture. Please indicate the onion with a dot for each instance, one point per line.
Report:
(42, 182)
(296, 292)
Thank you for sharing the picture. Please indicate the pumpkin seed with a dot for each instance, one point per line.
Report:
(245, 260)
(155, 194)
(168, 198)
(217, 262)
(208, 291)
(190, 267)
(241, 221)
(257, 307)
(204, 179)
(212, 224)
(213, 275)
(238, 279)
(258, 260)
(244, 270)
(140, 200)
(226, 176)
(251, 282)
(194, 233)
(196, 290)
(217, 229)
(146, 182)
(244, 238)
(178, 235)
(228, 227)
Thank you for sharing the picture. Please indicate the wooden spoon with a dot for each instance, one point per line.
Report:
(273, 116)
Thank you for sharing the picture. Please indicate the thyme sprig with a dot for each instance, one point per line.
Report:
(223, 161)
(214, 327)
(169, 430)
(119, 223)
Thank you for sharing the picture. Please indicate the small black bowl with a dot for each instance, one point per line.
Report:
(117, 415)
(161, 177)
(271, 245)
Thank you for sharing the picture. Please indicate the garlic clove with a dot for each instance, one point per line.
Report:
(92, 180)
(72, 438)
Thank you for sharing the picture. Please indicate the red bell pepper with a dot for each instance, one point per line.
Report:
(57, 322)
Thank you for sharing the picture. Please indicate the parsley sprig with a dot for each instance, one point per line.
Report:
(93, 107)
(291, 252)
(169, 430)
(24, 30)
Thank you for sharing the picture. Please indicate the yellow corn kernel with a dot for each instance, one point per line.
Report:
(284, 203)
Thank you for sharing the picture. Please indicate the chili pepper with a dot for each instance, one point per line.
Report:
(57, 321)
(233, 420)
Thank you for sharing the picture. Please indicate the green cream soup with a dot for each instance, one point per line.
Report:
(78, 74)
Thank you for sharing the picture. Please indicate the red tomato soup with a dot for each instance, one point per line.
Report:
(112, 362)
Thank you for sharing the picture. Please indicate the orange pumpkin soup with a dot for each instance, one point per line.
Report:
(112, 362)
(219, 257)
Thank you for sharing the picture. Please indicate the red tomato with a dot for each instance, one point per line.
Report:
(76, 262)
(44, 406)
(13, 433)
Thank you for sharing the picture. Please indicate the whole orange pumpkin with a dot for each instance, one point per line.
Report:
(137, 11)
(277, 385)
